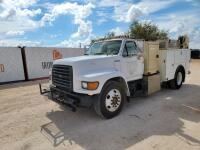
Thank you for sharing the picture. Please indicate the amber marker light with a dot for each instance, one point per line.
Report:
(90, 85)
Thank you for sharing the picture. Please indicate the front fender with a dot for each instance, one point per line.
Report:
(101, 77)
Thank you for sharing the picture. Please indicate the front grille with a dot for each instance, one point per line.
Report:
(62, 77)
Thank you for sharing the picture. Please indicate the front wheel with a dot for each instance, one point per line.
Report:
(110, 100)
(177, 82)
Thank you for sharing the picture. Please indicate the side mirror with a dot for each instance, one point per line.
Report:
(86, 51)
(124, 55)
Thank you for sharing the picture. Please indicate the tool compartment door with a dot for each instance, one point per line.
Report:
(153, 61)
(151, 51)
(166, 65)
(170, 65)
(170, 60)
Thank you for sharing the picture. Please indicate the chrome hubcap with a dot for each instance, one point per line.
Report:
(113, 100)
(179, 78)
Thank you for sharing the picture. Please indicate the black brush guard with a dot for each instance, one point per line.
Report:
(70, 99)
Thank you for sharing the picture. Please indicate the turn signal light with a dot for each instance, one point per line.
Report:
(90, 85)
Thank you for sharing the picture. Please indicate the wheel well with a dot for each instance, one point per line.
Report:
(183, 70)
(120, 80)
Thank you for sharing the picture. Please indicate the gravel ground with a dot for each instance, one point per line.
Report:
(166, 120)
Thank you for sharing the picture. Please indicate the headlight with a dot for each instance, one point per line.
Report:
(90, 85)
(84, 85)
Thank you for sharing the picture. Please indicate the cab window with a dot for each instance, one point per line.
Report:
(130, 49)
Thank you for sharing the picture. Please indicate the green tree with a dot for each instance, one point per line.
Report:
(146, 31)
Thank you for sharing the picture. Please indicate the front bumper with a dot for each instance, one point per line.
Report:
(71, 99)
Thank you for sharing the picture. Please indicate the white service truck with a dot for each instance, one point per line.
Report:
(114, 70)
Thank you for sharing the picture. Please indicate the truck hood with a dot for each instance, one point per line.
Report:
(73, 60)
(89, 64)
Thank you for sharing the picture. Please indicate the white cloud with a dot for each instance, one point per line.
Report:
(16, 15)
(121, 12)
(149, 7)
(111, 3)
(117, 31)
(76, 43)
(133, 13)
(16, 42)
(102, 20)
(17, 25)
(53, 36)
(182, 23)
(145, 7)
(29, 13)
(14, 9)
(15, 33)
(120, 8)
(16, 18)
(21, 3)
(177, 24)
(80, 13)
(84, 29)
(126, 11)
(103, 16)
(195, 3)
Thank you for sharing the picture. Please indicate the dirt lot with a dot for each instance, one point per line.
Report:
(166, 120)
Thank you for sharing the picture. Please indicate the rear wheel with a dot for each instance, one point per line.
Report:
(110, 100)
(177, 82)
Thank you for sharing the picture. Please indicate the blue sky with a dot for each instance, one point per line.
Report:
(66, 23)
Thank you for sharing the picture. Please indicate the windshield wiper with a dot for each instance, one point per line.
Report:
(99, 53)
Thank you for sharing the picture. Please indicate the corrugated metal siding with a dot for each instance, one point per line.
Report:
(39, 59)
(11, 66)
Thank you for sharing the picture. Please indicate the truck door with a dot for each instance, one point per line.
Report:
(132, 66)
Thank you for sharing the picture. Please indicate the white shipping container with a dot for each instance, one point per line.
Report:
(39, 60)
(11, 65)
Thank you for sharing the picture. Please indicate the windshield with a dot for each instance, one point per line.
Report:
(105, 48)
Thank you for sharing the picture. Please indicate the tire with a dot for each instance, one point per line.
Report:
(110, 101)
(177, 82)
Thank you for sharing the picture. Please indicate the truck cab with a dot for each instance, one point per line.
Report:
(108, 74)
